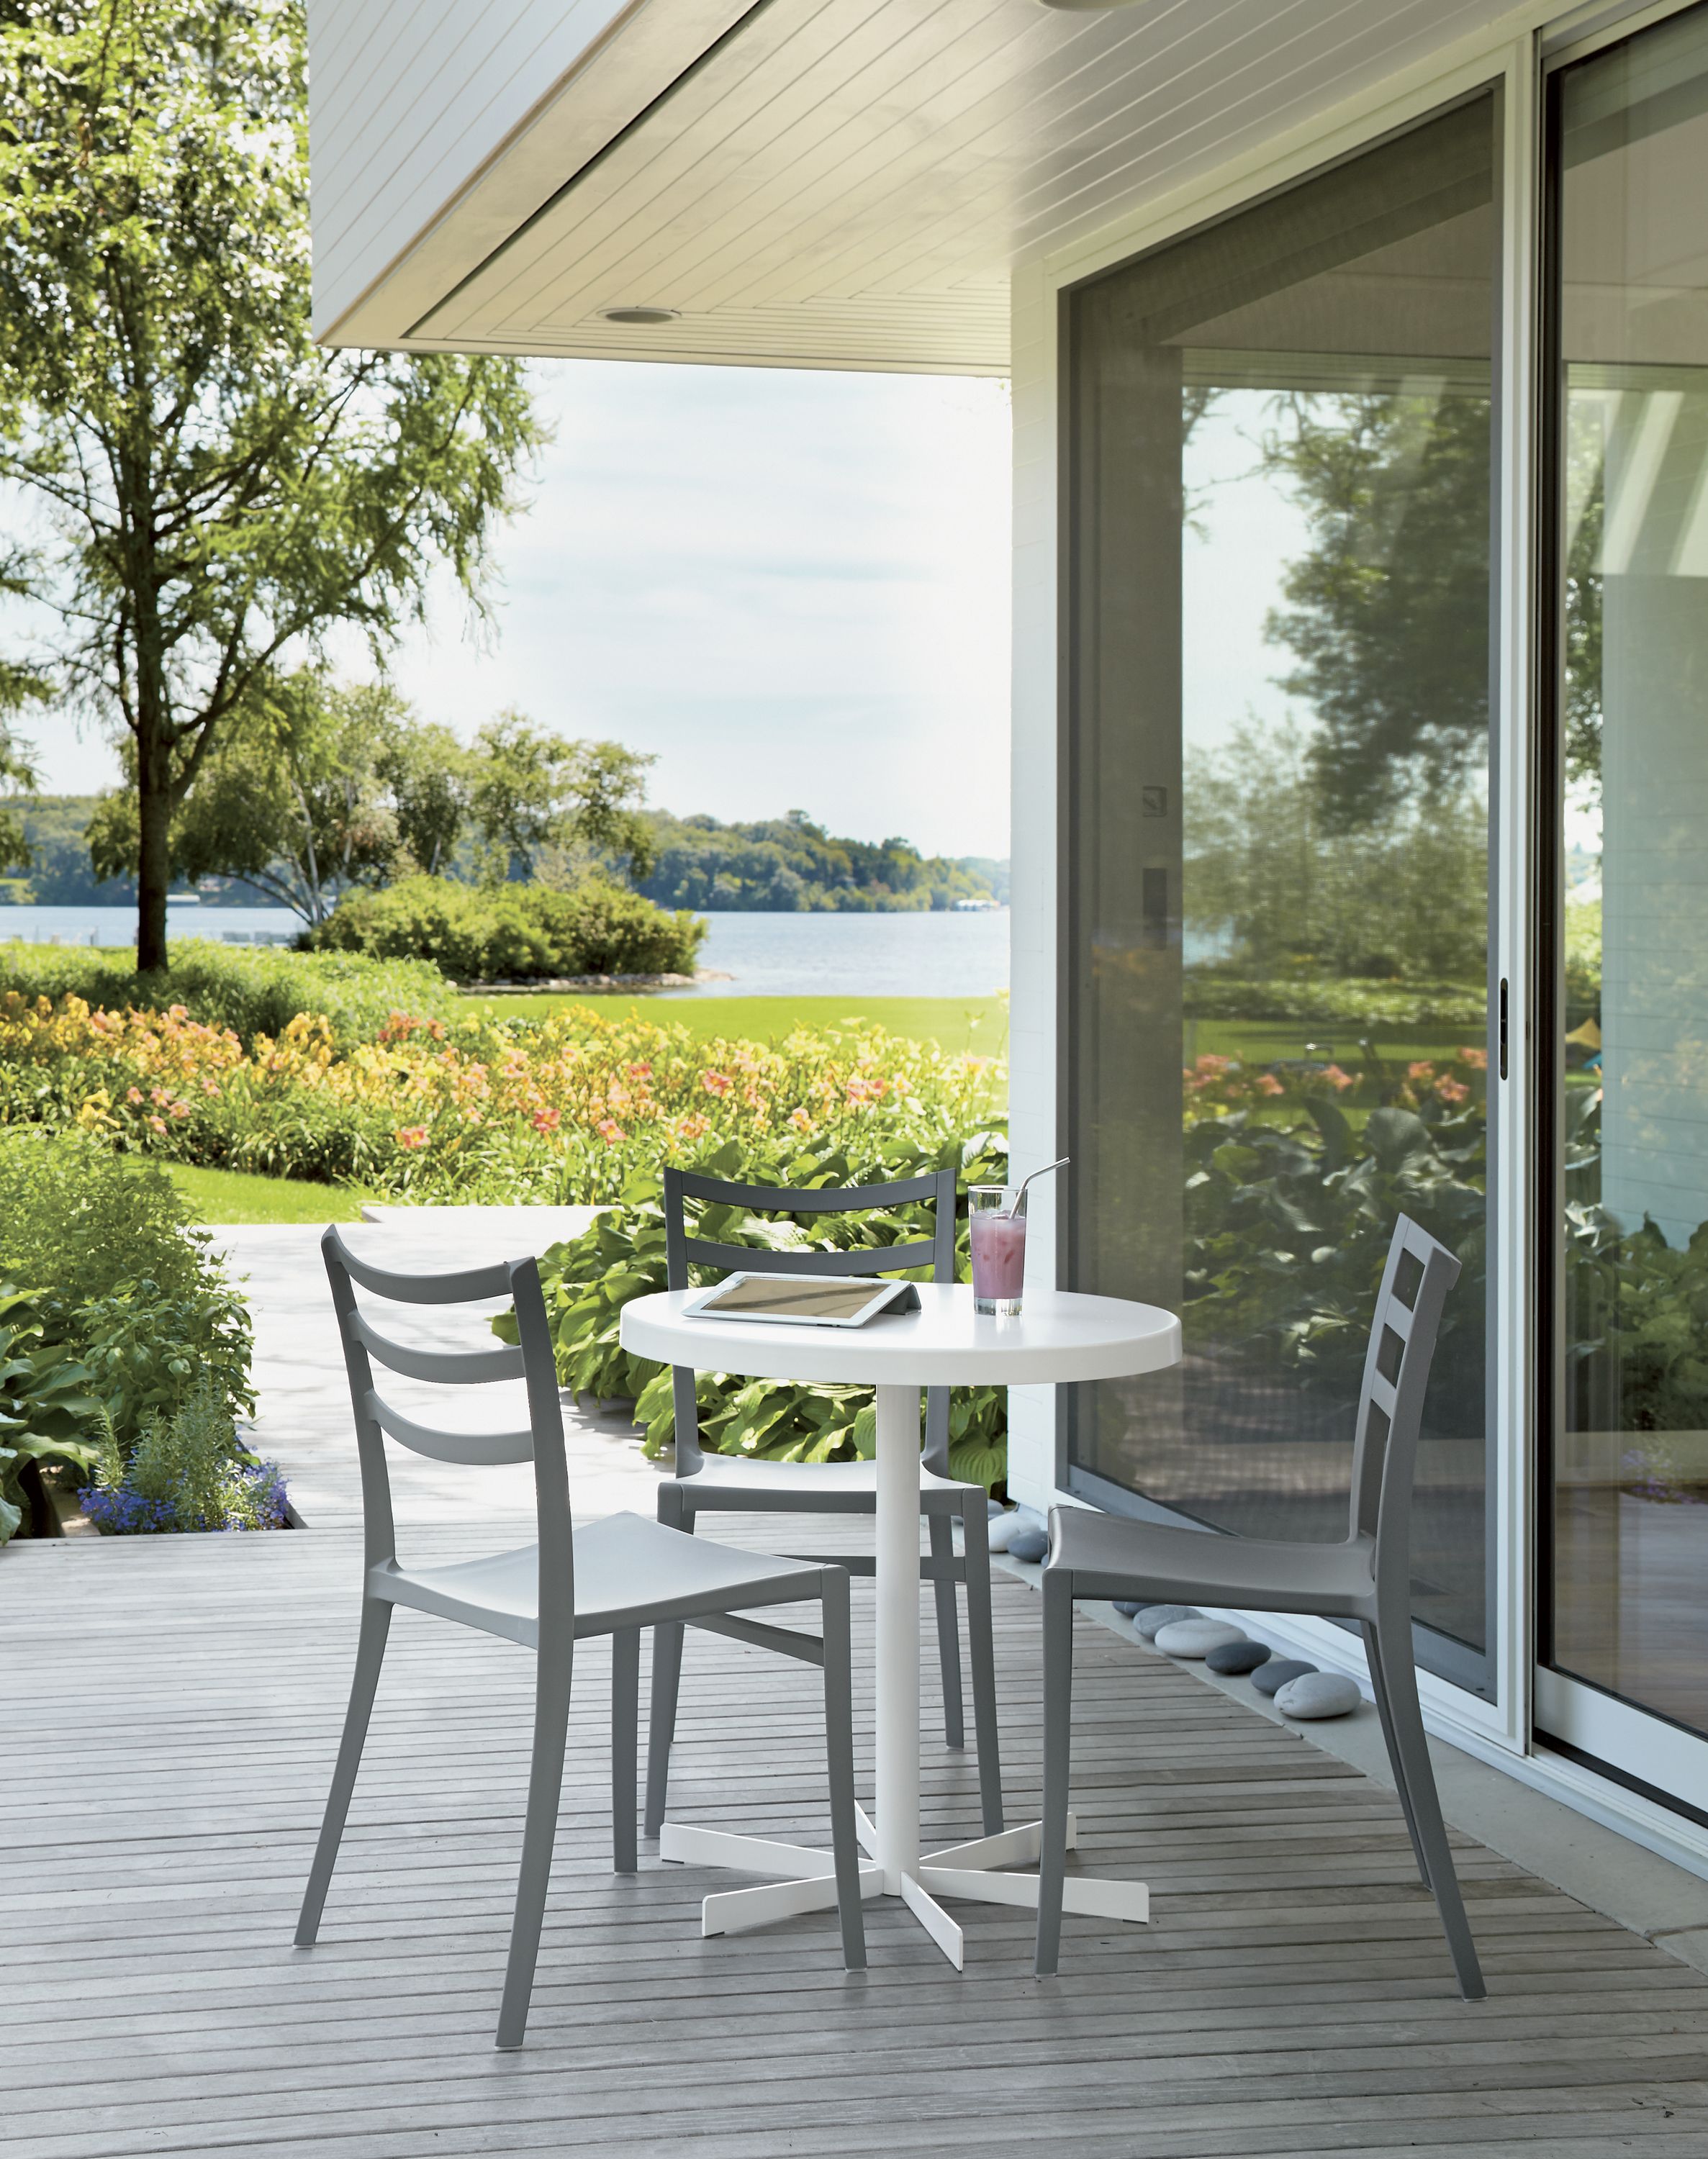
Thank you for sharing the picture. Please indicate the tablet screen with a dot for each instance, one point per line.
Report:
(762, 1296)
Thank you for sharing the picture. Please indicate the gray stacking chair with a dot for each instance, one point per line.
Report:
(1367, 1579)
(611, 1578)
(709, 1482)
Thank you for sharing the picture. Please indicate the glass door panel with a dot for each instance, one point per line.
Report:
(1276, 769)
(1626, 1610)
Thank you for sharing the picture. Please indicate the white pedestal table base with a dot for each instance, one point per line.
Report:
(898, 1867)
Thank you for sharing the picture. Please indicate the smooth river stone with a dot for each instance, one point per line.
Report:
(1030, 1545)
(1150, 1617)
(1196, 1638)
(1318, 1694)
(1235, 1657)
(1009, 1524)
(1128, 1607)
(1270, 1678)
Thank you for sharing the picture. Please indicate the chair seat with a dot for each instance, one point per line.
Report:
(808, 1487)
(629, 1572)
(1196, 1566)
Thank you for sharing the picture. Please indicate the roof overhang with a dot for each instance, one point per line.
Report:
(847, 185)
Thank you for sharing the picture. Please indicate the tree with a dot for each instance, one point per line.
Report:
(1406, 896)
(1389, 609)
(220, 492)
(430, 776)
(292, 799)
(18, 686)
(533, 790)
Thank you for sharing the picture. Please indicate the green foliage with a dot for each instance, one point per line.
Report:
(186, 1471)
(500, 933)
(588, 1280)
(784, 864)
(127, 1315)
(1387, 610)
(1287, 1231)
(54, 831)
(219, 488)
(290, 799)
(47, 1409)
(1212, 993)
(532, 792)
(251, 990)
(1269, 867)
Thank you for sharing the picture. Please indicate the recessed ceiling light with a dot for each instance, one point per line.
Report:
(645, 317)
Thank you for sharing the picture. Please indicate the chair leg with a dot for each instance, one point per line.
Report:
(370, 1653)
(1391, 1643)
(941, 1532)
(981, 1651)
(551, 1685)
(626, 1723)
(1057, 1724)
(839, 1752)
(666, 1679)
(1378, 1688)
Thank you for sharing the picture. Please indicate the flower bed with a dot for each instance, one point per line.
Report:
(562, 1109)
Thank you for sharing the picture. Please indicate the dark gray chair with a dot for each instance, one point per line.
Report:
(1366, 1579)
(612, 1577)
(706, 1483)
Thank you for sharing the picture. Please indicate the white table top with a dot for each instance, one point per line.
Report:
(1061, 1335)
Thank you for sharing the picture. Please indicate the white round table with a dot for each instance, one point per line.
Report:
(1060, 1336)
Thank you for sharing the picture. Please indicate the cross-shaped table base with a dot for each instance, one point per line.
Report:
(971, 1871)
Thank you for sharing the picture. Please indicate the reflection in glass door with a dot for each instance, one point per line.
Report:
(1277, 779)
(1625, 1608)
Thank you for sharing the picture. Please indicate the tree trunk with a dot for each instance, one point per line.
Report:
(154, 860)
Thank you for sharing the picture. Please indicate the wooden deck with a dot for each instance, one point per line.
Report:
(172, 1706)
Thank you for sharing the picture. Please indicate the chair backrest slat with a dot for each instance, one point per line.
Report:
(476, 1450)
(533, 1360)
(1416, 1280)
(682, 1252)
(445, 1368)
(867, 1259)
(804, 1199)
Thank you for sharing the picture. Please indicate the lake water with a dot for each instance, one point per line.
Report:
(769, 955)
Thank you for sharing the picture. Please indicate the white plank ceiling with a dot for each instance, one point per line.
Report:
(836, 185)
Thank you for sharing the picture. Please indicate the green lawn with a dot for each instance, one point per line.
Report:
(231, 1195)
(1263, 1042)
(979, 1024)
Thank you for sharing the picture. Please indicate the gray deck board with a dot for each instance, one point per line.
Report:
(172, 1707)
(1291, 1997)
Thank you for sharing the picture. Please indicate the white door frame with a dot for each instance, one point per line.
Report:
(1512, 53)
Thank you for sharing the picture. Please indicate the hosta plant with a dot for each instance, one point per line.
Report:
(589, 1279)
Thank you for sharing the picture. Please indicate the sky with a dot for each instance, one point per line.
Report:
(790, 586)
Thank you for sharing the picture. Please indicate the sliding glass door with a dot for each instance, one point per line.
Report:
(1624, 1631)
(1276, 785)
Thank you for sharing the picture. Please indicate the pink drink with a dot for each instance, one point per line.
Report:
(999, 1260)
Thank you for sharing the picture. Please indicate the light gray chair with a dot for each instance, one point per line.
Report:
(713, 1482)
(1367, 1579)
(612, 1577)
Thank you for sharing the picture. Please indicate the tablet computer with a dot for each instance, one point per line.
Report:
(803, 1300)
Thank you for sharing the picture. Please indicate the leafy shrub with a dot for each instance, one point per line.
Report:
(246, 990)
(186, 1471)
(588, 1279)
(515, 932)
(1334, 1001)
(124, 1312)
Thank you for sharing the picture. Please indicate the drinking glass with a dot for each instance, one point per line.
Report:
(998, 1232)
